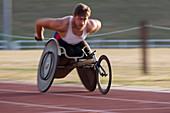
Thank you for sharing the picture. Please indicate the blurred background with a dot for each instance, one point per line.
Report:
(124, 50)
(115, 15)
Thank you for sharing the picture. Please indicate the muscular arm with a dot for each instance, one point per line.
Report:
(48, 23)
(94, 26)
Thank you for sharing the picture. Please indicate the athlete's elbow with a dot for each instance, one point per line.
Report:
(98, 25)
(38, 23)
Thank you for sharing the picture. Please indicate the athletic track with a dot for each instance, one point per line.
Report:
(25, 98)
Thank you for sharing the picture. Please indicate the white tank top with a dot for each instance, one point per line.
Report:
(72, 38)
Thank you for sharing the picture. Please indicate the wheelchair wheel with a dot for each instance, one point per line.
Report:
(88, 77)
(47, 66)
(104, 77)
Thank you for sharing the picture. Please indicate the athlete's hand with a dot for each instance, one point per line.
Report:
(35, 37)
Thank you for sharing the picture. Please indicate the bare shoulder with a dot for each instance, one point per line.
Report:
(61, 24)
(93, 25)
(57, 24)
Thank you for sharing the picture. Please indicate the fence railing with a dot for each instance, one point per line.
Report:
(32, 44)
(3, 44)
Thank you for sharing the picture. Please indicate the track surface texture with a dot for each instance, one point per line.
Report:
(25, 98)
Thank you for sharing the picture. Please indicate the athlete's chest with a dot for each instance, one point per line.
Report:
(77, 32)
(74, 32)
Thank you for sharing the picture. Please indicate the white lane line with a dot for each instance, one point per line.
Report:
(93, 97)
(139, 109)
(113, 99)
(161, 90)
(54, 107)
(20, 91)
(64, 112)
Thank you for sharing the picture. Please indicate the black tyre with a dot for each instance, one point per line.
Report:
(104, 77)
(47, 66)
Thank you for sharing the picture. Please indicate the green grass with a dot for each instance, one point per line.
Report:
(114, 14)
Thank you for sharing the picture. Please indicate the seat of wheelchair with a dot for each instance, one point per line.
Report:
(72, 51)
(68, 49)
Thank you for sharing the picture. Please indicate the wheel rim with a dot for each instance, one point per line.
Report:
(46, 66)
(104, 79)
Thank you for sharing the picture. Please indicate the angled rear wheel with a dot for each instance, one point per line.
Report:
(88, 77)
(47, 66)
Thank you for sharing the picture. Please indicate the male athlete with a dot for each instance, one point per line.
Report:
(71, 30)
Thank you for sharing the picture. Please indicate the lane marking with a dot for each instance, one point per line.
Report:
(137, 109)
(92, 97)
(113, 99)
(161, 90)
(53, 107)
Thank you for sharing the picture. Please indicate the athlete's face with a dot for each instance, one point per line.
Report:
(80, 22)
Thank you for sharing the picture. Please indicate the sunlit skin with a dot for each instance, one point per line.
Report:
(61, 25)
(80, 22)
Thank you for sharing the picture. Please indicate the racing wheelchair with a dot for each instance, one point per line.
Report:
(57, 63)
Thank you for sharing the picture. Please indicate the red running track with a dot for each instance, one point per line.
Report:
(25, 98)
